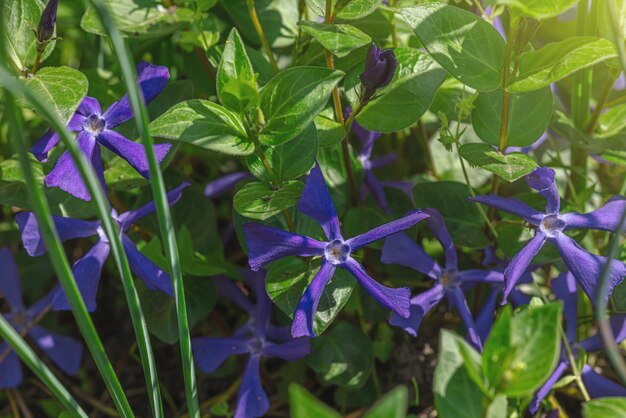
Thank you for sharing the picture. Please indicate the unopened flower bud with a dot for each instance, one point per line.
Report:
(380, 66)
(45, 30)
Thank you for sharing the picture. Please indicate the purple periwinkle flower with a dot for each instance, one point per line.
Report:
(266, 244)
(380, 67)
(48, 19)
(217, 187)
(253, 338)
(450, 283)
(551, 226)
(371, 184)
(598, 386)
(87, 269)
(65, 352)
(95, 128)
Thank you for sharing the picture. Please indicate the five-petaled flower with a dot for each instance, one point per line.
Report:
(87, 269)
(551, 226)
(94, 127)
(266, 244)
(252, 338)
(371, 183)
(449, 281)
(380, 67)
(598, 386)
(65, 352)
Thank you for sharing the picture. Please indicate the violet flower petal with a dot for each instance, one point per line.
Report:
(606, 218)
(405, 187)
(456, 296)
(595, 342)
(67, 228)
(387, 229)
(561, 368)
(10, 288)
(402, 250)
(599, 386)
(542, 180)
(66, 176)
(89, 106)
(291, 350)
(267, 244)
(475, 276)
(65, 352)
(221, 185)
(211, 352)
(252, 401)
(373, 185)
(564, 288)
(152, 79)
(43, 146)
(318, 205)
(303, 317)
(227, 289)
(133, 152)
(127, 219)
(87, 271)
(511, 205)
(485, 318)
(587, 268)
(383, 161)
(519, 264)
(396, 300)
(146, 270)
(11, 374)
(421, 304)
(437, 226)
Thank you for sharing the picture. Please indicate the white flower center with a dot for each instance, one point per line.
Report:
(337, 252)
(94, 124)
(552, 225)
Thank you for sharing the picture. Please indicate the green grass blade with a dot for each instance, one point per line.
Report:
(30, 358)
(55, 249)
(162, 207)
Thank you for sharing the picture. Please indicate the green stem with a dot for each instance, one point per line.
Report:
(506, 68)
(48, 231)
(39, 368)
(259, 31)
(163, 214)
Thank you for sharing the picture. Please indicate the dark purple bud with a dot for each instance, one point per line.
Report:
(380, 66)
(45, 30)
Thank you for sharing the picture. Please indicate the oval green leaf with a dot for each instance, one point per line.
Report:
(258, 200)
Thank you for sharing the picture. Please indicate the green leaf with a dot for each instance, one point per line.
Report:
(343, 357)
(259, 200)
(463, 218)
(557, 60)
(278, 19)
(498, 408)
(456, 394)
(605, 408)
(392, 405)
(303, 404)
(287, 279)
(204, 124)
(194, 263)
(466, 46)
(19, 17)
(539, 9)
(290, 160)
(535, 349)
(339, 39)
(13, 190)
(236, 82)
(510, 167)
(357, 9)
(497, 352)
(529, 116)
(119, 175)
(407, 97)
(292, 99)
(62, 88)
(329, 132)
(136, 18)
(611, 122)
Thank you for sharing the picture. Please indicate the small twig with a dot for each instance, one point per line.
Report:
(259, 30)
(206, 64)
